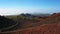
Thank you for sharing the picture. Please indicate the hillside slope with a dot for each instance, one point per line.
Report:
(34, 25)
(26, 22)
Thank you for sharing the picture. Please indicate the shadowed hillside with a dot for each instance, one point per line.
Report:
(6, 23)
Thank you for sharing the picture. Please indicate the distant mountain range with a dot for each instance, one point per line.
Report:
(34, 15)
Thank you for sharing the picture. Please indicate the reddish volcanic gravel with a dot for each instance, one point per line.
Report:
(50, 29)
(43, 29)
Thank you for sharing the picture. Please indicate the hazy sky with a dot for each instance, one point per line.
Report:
(10, 7)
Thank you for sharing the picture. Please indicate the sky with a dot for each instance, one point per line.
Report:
(13, 7)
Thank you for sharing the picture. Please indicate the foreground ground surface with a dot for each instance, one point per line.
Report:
(43, 29)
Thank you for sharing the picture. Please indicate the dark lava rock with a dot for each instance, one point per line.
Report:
(6, 23)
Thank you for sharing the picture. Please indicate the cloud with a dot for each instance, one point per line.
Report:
(12, 11)
(15, 11)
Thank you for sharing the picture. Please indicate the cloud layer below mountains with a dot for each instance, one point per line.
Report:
(16, 11)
